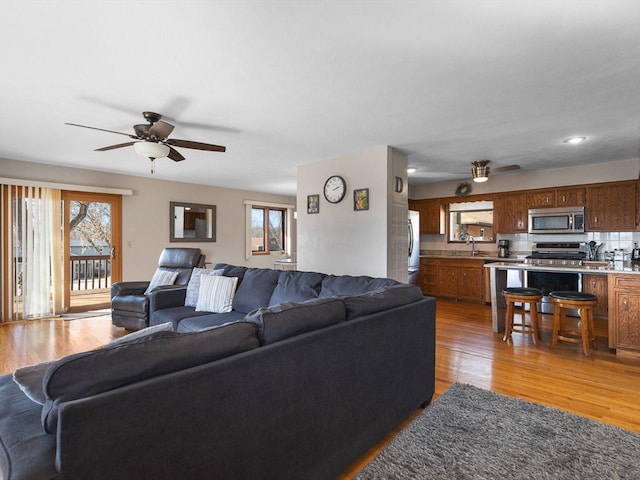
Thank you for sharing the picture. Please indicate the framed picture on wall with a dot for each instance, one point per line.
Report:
(313, 203)
(361, 199)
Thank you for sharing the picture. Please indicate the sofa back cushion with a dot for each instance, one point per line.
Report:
(256, 289)
(381, 299)
(89, 373)
(296, 287)
(333, 285)
(294, 318)
(231, 271)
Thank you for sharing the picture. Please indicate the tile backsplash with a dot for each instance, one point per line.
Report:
(520, 243)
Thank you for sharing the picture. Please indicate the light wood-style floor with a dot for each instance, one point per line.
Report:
(603, 387)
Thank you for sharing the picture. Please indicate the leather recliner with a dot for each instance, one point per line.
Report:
(130, 305)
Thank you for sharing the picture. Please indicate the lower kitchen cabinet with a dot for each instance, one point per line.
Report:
(462, 279)
(597, 285)
(429, 276)
(624, 313)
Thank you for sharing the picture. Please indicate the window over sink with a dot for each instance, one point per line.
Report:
(470, 220)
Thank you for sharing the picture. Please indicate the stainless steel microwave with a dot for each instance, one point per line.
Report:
(556, 220)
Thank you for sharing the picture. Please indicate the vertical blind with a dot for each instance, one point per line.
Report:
(31, 252)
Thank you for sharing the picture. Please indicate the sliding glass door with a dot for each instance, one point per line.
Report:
(92, 241)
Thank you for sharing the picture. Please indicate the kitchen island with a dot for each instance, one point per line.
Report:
(621, 292)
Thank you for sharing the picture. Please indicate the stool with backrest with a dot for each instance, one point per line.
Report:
(529, 296)
(584, 303)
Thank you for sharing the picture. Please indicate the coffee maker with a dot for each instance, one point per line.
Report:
(503, 248)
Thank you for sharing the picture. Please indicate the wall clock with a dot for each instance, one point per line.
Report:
(335, 189)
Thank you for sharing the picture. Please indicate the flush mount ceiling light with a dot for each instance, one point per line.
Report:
(575, 140)
(411, 170)
(480, 170)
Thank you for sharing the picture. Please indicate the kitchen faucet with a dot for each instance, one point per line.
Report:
(473, 245)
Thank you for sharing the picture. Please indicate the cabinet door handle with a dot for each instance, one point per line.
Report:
(564, 198)
(594, 284)
(625, 305)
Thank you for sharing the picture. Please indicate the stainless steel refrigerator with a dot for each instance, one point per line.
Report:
(414, 247)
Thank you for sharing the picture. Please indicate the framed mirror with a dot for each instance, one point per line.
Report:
(192, 222)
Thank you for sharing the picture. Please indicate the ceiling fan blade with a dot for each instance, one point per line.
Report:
(506, 168)
(175, 155)
(112, 147)
(196, 145)
(161, 130)
(101, 129)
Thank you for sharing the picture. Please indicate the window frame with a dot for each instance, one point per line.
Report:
(265, 229)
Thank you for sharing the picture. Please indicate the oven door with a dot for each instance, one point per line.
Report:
(550, 281)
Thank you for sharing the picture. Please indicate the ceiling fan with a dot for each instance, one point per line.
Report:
(480, 170)
(151, 140)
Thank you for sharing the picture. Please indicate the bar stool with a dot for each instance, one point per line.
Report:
(523, 295)
(584, 303)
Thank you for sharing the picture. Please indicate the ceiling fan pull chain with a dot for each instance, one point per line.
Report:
(152, 165)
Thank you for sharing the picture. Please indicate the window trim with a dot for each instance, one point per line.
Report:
(265, 234)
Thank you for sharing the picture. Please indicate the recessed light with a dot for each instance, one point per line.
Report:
(411, 170)
(575, 140)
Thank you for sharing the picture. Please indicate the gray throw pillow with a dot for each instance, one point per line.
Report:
(191, 299)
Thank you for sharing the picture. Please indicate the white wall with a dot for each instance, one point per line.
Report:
(557, 177)
(145, 214)
(339, 240)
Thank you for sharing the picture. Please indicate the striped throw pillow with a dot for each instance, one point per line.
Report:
(193, 288)
(216, 294)
(161, 277)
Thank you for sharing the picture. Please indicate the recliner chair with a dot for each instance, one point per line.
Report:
(130, 305)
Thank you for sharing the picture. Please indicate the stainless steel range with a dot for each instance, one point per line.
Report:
(560, 254)
(557, 254)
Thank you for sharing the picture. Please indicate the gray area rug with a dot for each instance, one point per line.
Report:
(89, 314)
(473, 433)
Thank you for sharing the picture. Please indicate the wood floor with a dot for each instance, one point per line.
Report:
(603, 387)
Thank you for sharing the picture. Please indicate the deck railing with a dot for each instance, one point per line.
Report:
(90, 272)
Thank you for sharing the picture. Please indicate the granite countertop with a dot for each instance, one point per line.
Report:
(597, 268)
(490, 256)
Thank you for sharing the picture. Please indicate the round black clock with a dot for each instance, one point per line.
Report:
(335, 189)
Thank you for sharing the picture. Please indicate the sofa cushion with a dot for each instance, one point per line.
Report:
(193, 287)
(256, 289)
(294, 318)
(195, 324)
(381, 299)
(296, 287)
(89, 373)
(161, 277)
(174, 315)
(30, 379)
(232, 271)
(333, 285)
(216, 294)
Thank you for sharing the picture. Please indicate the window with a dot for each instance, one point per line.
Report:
(267, 229)
(471, 220)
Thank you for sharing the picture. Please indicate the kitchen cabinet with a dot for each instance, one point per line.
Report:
(597, 285)
(462, 279)
(510, 213)
(429, 276)
(611, 207)
(431, 215)
(570, 197)
(556, 197)
(624, 313)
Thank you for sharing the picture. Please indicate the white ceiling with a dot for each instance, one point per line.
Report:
(282, 83)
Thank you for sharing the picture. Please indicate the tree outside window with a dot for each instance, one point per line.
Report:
(267, 229)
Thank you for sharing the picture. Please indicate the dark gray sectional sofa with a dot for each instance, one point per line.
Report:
(302, 377)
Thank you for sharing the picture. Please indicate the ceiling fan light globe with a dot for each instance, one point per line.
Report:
(151, 149)
(480, 179)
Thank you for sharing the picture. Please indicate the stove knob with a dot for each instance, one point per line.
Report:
(552, 262)
(539, 262)
(564, 262)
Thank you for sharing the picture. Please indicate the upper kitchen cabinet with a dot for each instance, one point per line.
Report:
(556, 197)
(431, 215)
(611, 207)
(510, 212)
